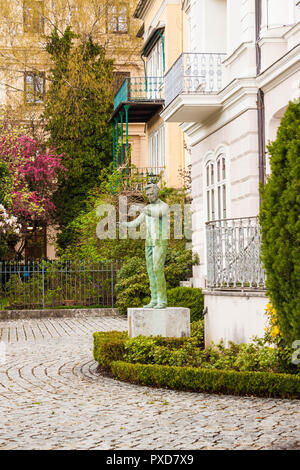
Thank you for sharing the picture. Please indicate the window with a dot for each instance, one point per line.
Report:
(216, 192)
(34, 87)
(36, 244)
(155, 61)
(117, 19)
(157, 150)
(33, 16)
(155, 72)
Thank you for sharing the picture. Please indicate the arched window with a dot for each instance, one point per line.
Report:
(216, 188)
(221, 187)
(210, 190)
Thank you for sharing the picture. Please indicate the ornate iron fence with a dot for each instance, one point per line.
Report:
(233, 254)
(140, 89)
(56, 284)
(194, 73)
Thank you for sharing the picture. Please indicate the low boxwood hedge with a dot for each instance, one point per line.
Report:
(109, 352)
(263, 384)
(109, 346)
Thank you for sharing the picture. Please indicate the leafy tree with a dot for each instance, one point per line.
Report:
(280, 224)
(5, 183)
(29, 176)
(77, 110)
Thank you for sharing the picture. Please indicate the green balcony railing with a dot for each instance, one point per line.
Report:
(140, 89)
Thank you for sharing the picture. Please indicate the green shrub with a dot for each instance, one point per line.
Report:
(151, 349)
(184, 352)
(133, 285)
(108, 347)
(188, 297)
(280, 224)
(209, 381)
(182, 363)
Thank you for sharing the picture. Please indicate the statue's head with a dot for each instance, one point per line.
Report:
(152, 191)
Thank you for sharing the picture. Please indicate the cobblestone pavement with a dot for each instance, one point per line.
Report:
(52, 398)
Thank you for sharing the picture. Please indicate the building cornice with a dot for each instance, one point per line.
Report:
(141, 8)
(237, 98)
(295, 28)
(280, 70)
(237, 52)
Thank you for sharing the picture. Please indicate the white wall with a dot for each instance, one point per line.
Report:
(238, 139)
(234, 25)
(208, 26)
(236, 317)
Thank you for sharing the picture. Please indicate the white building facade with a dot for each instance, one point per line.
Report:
(229, 91)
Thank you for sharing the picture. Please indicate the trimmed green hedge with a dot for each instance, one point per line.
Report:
(262, 384)
(109, 346)
(109, 352)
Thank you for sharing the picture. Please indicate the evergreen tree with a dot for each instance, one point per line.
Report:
(77, 109)
(280, 223)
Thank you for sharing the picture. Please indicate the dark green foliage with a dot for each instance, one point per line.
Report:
(77, 109)
(188, 297)
(209, 381)
(133, 284)
(5, 188)
(5, 184)
(280, 224)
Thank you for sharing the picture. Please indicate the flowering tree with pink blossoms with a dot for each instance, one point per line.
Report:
(33, 173)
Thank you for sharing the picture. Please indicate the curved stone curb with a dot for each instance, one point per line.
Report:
(59, 313)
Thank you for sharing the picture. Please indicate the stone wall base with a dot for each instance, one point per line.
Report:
(234, 315)
(58, 313)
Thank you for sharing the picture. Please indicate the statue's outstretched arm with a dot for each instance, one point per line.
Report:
(136, 222)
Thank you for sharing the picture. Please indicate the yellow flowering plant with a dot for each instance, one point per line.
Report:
(273, 334)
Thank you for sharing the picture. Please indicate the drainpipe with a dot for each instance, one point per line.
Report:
(163, 50)
(145, 72)
(260, 101)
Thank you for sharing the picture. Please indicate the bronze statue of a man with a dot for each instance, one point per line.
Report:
(155, 216)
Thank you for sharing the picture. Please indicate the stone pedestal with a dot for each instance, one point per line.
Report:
(171, 322)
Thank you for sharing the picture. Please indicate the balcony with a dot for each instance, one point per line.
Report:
(191, 87)
(233, 254)
(140, 98)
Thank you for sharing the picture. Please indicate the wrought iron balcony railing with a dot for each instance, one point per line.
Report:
(194, 73)
(233, 254)
(140, 89)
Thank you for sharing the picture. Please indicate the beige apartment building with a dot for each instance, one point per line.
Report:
(141, 98)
